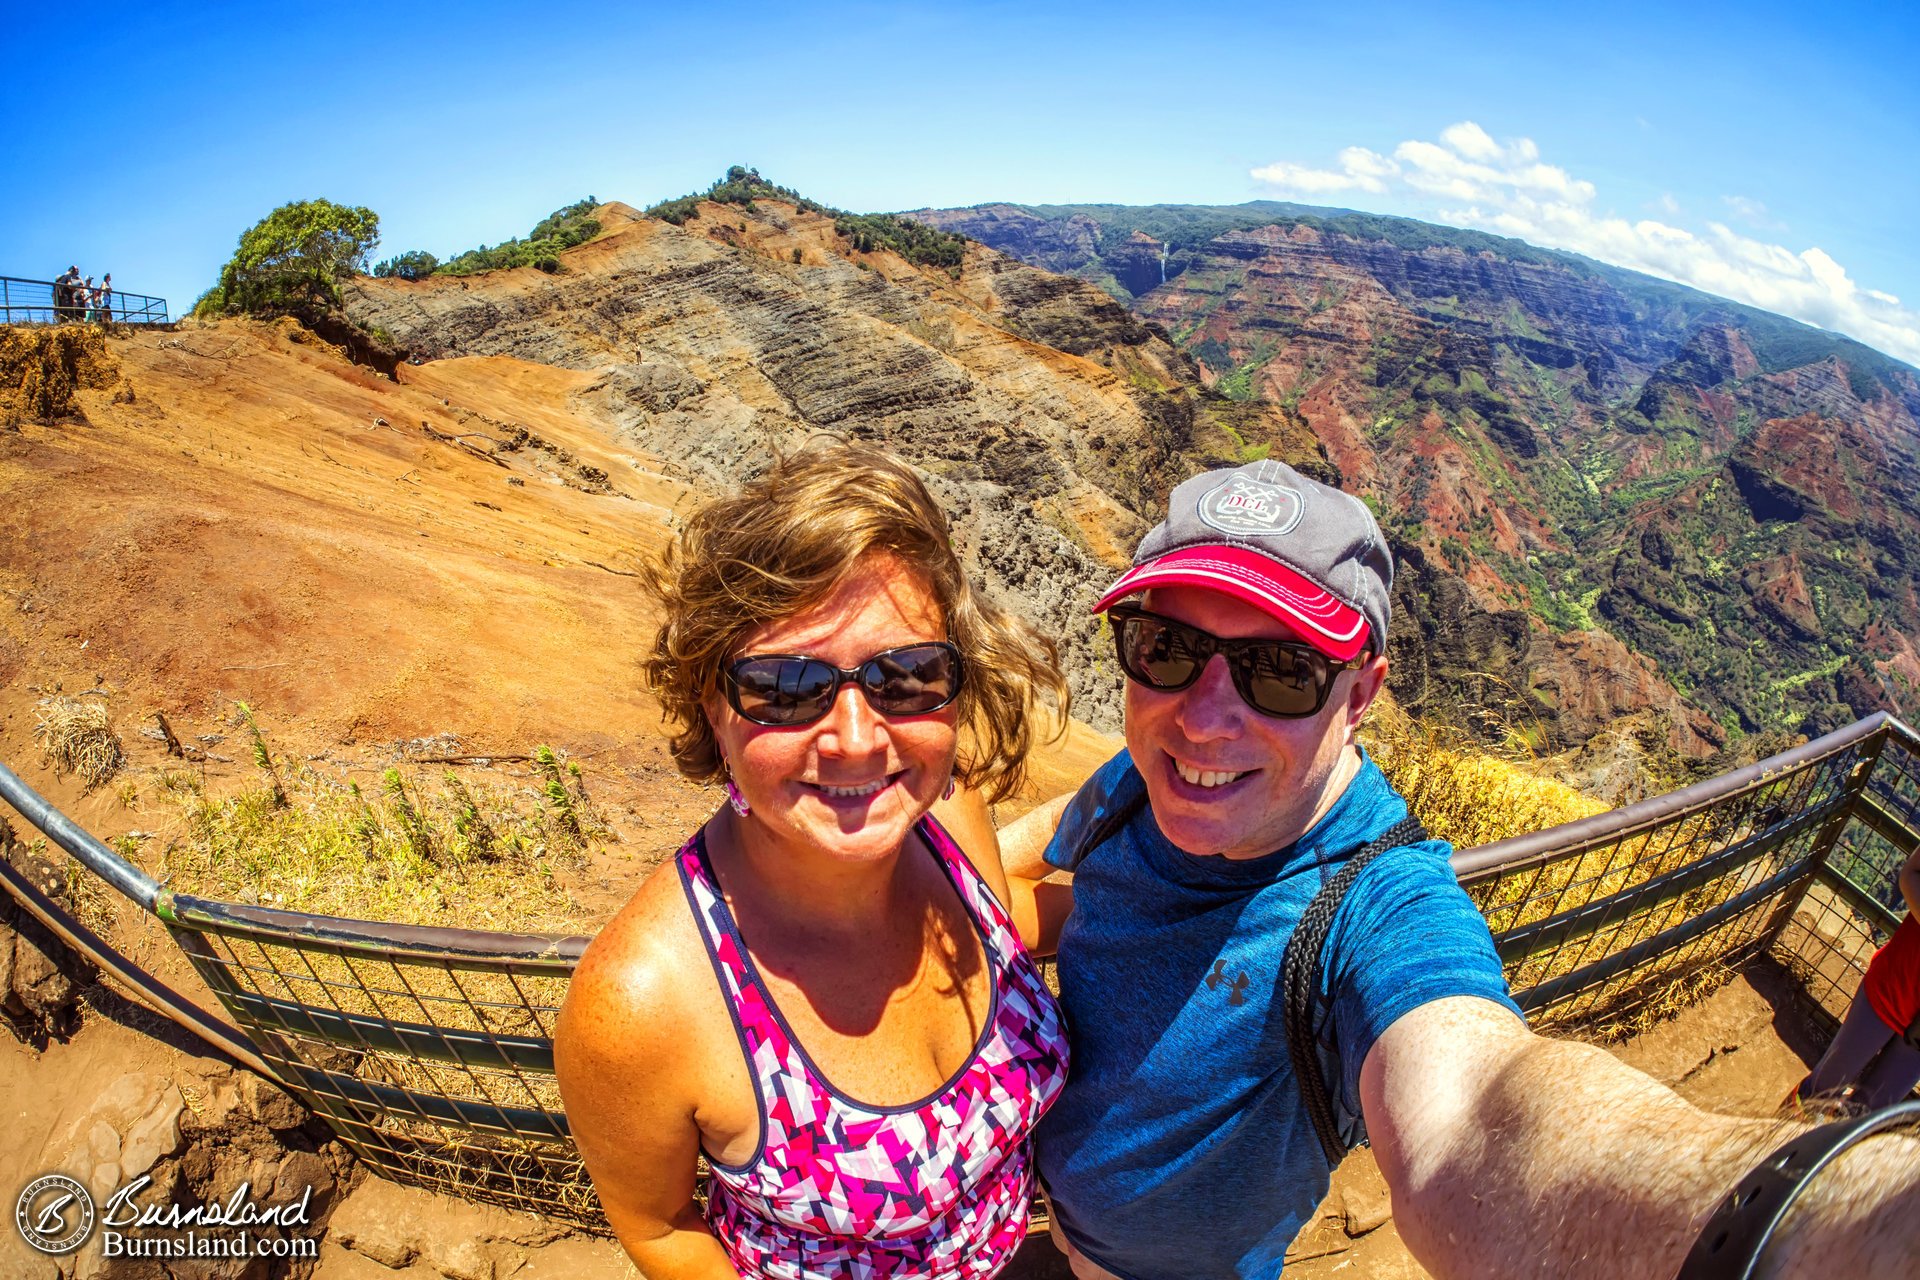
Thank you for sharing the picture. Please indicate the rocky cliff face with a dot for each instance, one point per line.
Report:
(1051, 421)
(1588, 474)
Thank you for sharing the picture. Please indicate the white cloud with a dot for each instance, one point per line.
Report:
(1472, 179)
(1360, 170)
(1469, 139)
(1359, 160)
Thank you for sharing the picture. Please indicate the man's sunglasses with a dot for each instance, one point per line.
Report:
(784, 690)
(1278, 678)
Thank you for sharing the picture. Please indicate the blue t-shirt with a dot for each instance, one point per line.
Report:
(1182, 1146)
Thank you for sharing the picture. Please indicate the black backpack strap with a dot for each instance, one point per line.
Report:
(1300, 989)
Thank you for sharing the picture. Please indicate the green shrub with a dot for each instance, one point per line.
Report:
(554, 788)
(919, 244)
(562, 229)
(293, 260)
(485, 858)
(414, 265)
(916, 242)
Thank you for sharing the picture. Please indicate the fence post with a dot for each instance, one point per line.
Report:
(1829, 834)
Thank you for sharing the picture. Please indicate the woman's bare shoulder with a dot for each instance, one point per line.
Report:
(645, 972)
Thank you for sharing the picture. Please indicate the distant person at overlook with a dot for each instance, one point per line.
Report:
(1877, 1049)
(103, 301)
(824, 991)
(1198, 1126)
(64, 288)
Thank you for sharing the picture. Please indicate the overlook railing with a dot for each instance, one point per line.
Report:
(430, 1050)
(34, 302)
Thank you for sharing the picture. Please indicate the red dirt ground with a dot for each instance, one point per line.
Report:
(266, 522)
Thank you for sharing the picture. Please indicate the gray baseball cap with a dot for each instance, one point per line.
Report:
(1300, 550)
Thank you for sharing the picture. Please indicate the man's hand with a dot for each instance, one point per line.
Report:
(1509, 1154)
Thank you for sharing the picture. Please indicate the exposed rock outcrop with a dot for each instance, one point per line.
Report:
(1050, 420)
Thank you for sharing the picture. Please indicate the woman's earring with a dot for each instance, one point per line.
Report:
(734, 798)
(948, 793)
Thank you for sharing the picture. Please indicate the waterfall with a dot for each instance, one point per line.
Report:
(1163, 264)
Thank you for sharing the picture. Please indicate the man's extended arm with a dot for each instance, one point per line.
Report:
(1514, 1155)
(1038, 909)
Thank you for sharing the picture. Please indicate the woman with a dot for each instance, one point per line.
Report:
(1877, 1049)
(822, 992)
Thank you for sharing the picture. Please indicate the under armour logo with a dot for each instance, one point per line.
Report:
(1236, 985)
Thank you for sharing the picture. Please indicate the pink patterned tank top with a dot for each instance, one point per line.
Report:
(936, 1188)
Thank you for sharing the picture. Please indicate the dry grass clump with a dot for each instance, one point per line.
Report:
(75, 734)
(90, 901)
(41, 369)
(411, 850)
(1700, 972)
(1459, 792)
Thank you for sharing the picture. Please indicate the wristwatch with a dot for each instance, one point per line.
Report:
(1736, 1237)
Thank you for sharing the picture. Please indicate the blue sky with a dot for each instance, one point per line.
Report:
(1761, 151)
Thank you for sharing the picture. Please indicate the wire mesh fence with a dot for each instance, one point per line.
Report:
(48, 302)
(1596, 920)
(1854, 904)
(430, 1050)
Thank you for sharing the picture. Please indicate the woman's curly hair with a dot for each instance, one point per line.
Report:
(781, 544)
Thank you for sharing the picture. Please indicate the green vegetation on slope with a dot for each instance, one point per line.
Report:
(412, 848)
(561, 229)
(914, 241)
(416, 264)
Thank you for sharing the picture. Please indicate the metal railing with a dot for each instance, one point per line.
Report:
(1796, 854)
(36, 302)
(430, 1050)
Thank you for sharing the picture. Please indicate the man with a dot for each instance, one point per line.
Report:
(1184, 1146)
(63, 289)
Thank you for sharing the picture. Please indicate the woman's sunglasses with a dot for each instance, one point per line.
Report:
(1278, 678)
(784, 690)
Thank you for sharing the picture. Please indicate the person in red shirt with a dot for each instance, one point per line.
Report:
(1877, 1049)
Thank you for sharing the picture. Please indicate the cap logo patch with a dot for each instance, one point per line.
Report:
(1251, 509)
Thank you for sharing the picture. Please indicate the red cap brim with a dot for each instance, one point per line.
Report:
(1330, 625)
